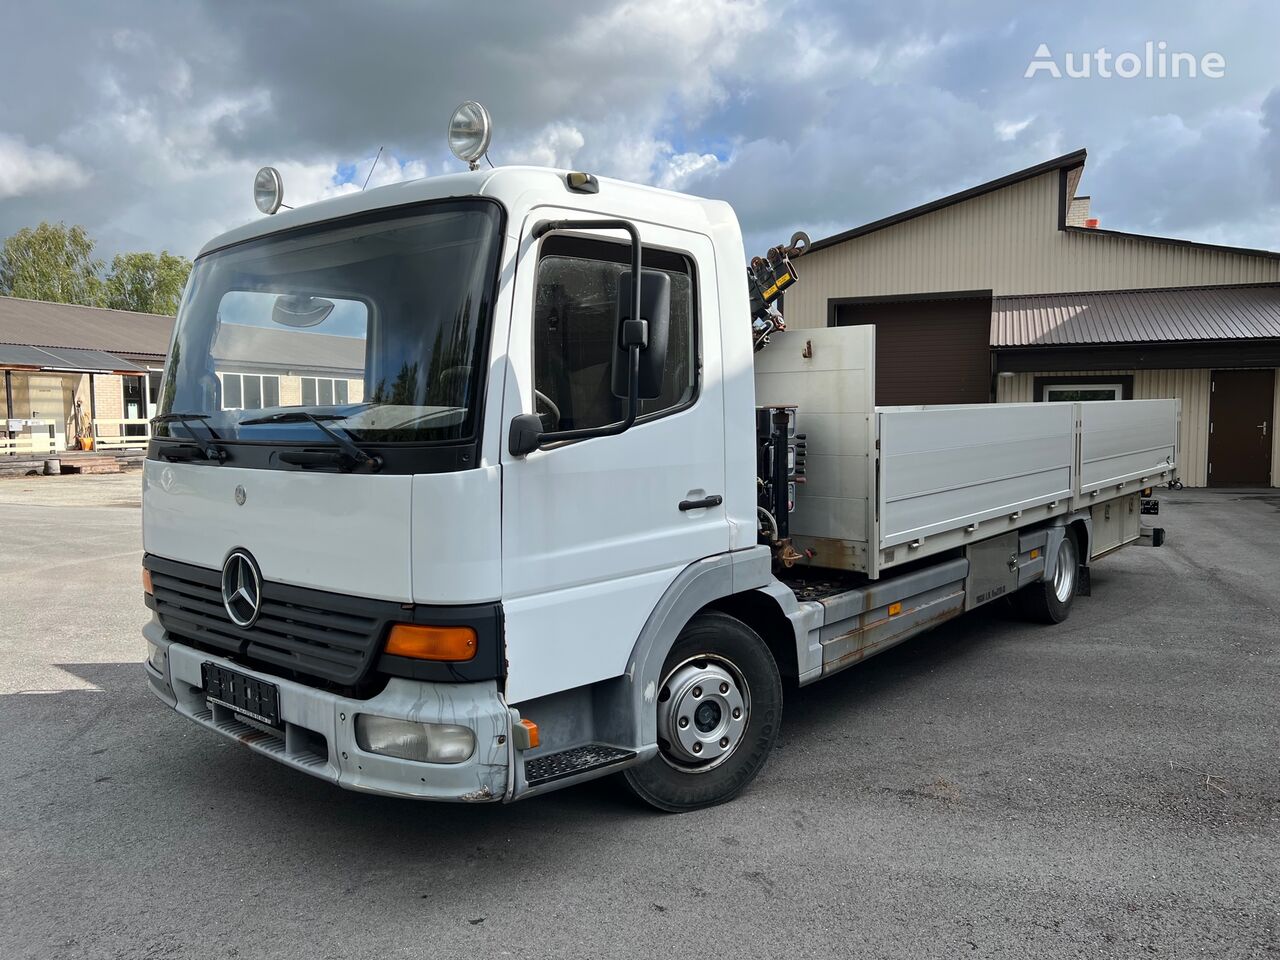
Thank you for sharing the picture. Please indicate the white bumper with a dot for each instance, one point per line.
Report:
(320, 727)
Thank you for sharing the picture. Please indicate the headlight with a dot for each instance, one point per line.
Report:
(423, 742)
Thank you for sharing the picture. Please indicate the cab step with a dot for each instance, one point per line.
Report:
(571, 762)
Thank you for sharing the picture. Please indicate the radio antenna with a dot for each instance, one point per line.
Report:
(371, 169)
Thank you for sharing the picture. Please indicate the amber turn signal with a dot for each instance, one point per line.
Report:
(453, 644)
(526, 734)
(146, 582)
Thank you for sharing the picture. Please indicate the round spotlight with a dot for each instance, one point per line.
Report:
(268, 190)
(470, 130)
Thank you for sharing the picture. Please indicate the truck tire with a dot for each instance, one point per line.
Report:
(1049, 601)
(719, 708)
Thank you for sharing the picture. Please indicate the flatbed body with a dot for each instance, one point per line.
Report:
(889, 486)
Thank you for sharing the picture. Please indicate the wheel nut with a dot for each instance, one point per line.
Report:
(697, 692)
(724, 687)
(697, 748)
(684, 722)
(737, 713)
(724, 742)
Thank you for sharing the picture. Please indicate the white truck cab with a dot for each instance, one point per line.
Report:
(429, 513)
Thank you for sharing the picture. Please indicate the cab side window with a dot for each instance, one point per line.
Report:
(574, 328)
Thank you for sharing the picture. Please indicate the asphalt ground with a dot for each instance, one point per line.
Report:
(1109, 787)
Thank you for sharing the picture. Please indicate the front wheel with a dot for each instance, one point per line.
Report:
(1049, 601)
(719, 707)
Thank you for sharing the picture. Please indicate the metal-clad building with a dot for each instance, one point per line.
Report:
(1010, 292)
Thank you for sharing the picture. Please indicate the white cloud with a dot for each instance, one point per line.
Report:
(1009, 129)
(556, 145)
(25, 169)
(682, 167)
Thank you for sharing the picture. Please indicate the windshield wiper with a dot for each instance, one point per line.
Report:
(184, 419)
(351, 452)
(187, 450)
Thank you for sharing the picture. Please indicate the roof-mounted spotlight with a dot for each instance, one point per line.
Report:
(470, 130)
(268, 190)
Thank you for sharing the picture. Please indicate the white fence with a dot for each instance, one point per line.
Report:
(28, 446)
(117, 437)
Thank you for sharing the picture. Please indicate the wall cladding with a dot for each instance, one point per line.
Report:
(1008, 242)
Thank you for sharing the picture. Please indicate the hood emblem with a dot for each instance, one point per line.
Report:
(240, 494)
(241, 588)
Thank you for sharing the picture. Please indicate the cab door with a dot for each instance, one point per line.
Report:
(594, 531)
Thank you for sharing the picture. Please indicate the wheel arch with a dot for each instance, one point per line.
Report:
(740, 584)
(761, 612)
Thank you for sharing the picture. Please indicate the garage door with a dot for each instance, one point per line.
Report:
(928, 351)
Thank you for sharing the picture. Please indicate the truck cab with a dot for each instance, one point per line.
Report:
(417, 323)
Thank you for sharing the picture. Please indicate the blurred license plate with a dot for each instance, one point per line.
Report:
(1151, 507)
(245, 695)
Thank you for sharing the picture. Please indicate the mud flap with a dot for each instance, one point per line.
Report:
(1084, 584)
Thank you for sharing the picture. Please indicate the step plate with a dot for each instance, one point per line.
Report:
(570, 763)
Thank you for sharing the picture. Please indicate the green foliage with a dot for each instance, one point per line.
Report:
(146, 282)
(55, 262)
(51, 262)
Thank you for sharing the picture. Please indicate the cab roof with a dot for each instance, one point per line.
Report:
(516, 187)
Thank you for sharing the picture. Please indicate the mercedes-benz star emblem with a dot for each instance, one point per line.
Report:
(240, 494)
(241, 588)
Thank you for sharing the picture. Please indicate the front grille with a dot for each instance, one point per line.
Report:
(310, 633)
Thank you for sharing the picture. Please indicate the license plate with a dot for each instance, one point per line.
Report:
(242, 694)
(1150, 507)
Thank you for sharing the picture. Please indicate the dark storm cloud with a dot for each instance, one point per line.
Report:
(144, 121)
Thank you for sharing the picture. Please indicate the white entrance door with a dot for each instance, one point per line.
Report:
(592, 531)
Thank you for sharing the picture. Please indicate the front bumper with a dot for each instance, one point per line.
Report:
(319, 727)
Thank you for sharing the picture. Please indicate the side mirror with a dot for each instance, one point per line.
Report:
(649, 334)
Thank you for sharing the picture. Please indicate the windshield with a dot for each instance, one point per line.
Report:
(377, 326)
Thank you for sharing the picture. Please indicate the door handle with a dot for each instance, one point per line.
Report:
(1263, 426)
(712, 501)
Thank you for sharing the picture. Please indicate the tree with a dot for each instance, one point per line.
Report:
(51, 262)
(146, 282)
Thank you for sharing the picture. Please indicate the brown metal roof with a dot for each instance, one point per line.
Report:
(37, 323)
(1171, 314)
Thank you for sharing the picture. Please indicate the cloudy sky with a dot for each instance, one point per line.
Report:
(146, 121)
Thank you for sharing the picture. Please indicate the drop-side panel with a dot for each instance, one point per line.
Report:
(829, 374)
(949, 468)
(1132, 441)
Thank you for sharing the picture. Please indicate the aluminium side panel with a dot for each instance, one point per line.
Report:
(1126, 442)
(829, 376)
(951, 468)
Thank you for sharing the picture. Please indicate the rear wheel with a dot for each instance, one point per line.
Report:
(719, 706)
(1049, 601)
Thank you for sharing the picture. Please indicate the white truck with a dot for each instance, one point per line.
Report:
(441, 504)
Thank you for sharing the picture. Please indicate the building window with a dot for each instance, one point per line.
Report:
(1068, 392)
(249, 391)
(323, 391)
